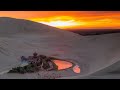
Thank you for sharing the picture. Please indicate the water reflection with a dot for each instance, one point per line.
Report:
(76, 69)
(65, 65)
(62, 64)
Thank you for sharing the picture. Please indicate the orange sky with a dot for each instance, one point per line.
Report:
(70, 19)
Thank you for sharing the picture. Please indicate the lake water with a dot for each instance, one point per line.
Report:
(76, 69)
(65, 65)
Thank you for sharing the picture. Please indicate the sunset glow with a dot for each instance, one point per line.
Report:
(70, 19)
(83, 20)
(76, 23)
(60, 21)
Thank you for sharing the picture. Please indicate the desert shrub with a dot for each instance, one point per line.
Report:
(34, 67)
(53, 58)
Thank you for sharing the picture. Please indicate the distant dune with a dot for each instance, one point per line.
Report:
(86, 32)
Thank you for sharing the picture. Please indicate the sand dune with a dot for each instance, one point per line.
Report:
(22, 37)
(110, 72)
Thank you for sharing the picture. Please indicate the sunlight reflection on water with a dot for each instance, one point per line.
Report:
(65, 65)
(76, 69)
(62, 64)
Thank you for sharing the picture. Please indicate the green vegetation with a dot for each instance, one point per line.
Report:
(22, 70)
(42, 62)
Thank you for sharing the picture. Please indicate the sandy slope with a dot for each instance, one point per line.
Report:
(21, 37)
(110, 72)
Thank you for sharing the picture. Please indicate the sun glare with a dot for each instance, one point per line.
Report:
(60, 22)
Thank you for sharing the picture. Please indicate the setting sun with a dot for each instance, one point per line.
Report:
(60, 22)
